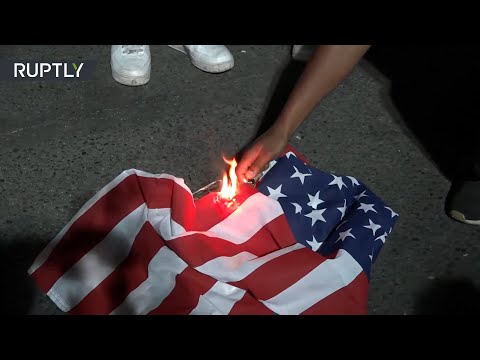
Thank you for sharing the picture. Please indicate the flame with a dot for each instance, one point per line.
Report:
(229, 183)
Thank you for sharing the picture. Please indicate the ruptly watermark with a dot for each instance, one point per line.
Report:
(47, 70)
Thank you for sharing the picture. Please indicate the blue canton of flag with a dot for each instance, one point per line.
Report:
(328, 212)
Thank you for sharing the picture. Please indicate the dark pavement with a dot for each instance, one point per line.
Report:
(61, 142)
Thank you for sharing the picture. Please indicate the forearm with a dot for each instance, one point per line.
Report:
(328, 67)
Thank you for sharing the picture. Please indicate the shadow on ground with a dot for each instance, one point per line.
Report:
(449, 297)
(18, 289)
(433, 99)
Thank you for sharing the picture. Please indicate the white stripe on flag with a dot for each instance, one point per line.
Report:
(162, 222)
(98, 263)
(257, 211)
(219, 300)
(162, 272)
(43, 256)
(178, 181)
(237, 228)
(238, 267)
(324, 280)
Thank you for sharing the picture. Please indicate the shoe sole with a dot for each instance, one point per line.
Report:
(131, 80)
(461, 217)
(212, 69)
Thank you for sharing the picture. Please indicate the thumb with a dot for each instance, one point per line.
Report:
(246, 161)
(258, 166)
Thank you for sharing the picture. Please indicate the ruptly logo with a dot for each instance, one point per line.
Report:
(55, 70)
(39, 69)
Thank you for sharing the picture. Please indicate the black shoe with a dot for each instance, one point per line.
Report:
(463, 202)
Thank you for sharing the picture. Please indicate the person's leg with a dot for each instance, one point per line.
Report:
(209, 58)
(463, 203)
(131, 64)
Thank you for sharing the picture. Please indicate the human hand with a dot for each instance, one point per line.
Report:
(256, 158)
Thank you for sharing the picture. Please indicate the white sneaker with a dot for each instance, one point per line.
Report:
(209, 58)
(303, 52)
(131, 64)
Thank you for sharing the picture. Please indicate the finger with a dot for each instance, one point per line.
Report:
(247, 159)
(260, 163)
(261, 172)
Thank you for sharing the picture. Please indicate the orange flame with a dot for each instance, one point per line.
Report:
(229, 183)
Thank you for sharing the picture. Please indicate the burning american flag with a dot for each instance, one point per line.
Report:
(300, 242)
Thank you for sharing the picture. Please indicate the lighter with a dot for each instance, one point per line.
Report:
(215, 186)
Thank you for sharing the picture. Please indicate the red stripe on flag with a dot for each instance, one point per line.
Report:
(280, 273)
(280, 232)
(349, 300)
(89, 229)
(197, 249)
(166, 193)
(189, 286)
(132, 272)
(208, 212)
(248, 305)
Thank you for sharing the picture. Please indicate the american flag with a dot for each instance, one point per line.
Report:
(302, 242)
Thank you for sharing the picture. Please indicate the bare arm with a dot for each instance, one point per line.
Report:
(328, 67)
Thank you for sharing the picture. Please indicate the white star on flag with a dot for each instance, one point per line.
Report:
(275, 194)
(358, 197)
(289, 153)
(298, 208)
(366, 207)
(343, 235)
(314, 200)
(299, 175)
(393, 212)
(314, 244)
(316, 215)
(353, 180)
(342, 209)
(382, 237)
(337, 180)
(372, 226)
